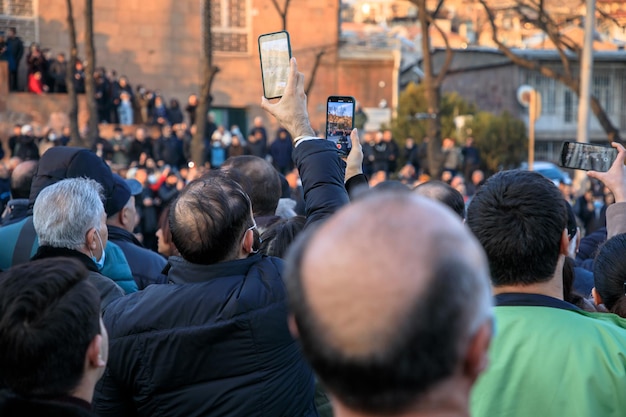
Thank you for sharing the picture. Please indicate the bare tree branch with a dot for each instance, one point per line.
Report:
(610, 18)
(316, 64)
(443, 71)
(546, 24)
(437, 9)
(282, 12)
(572, 83)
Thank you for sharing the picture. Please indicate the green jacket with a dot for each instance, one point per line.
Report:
(19, 243)
(547, 361)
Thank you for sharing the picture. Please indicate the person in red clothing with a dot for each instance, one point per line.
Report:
(35, 84)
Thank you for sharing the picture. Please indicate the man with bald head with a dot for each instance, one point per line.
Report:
(403, 331)
(261, 182)
(21, 179)
(257, 139)
(215, 341)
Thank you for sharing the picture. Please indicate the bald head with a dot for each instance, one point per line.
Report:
(444, 193)
(416, 299)
(259, 180)
(22, 178)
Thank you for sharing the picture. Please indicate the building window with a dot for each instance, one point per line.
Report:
(547, 87)
(602, 91)
(570, 102)
(17, 8)
(229, 24)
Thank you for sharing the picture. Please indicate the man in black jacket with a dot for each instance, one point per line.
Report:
(145, 264)
(215, 341)
(15, 52)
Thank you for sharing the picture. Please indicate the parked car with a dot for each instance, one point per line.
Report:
(550, 171)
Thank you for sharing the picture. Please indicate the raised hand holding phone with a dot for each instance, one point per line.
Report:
(291, 110)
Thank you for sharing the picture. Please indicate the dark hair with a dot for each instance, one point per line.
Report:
(164, 225)
(571, 221)
(444, 193)
(49, 314)
(278, 237)
(208, 219)
(609, 274)
(21, 182)
(519, 218)
(262, 182)
(423, 351)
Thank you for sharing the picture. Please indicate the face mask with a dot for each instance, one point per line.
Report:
(99, 263)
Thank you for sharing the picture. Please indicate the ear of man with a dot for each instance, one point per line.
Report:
(94, 356)
(476, 355)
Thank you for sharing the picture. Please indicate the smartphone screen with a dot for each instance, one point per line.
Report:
(577, 155)
(275, 53)
(340, 122)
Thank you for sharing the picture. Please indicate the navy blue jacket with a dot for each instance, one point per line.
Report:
(145, 265)
(214, 342)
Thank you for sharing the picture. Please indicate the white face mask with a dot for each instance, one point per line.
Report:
(571, 251)
(99, 263)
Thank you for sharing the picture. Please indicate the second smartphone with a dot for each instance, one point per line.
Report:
(578, 155)
(340, 122)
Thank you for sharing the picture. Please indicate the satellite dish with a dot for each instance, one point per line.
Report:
(523, 94)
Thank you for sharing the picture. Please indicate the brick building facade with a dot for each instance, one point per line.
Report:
(157, 43)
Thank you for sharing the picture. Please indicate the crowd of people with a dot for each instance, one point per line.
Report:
(135, 284)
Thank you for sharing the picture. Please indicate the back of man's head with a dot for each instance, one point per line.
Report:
(519, 218)
(259, 180)
(385, 331)
(49, 316)
(64, 212)
(22, 178)
(444, 193)
(209, 218)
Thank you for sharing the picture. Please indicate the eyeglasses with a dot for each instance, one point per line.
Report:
(253, 227)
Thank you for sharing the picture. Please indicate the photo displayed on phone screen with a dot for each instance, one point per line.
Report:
(275, 53)
(588, 157)
(340, 122)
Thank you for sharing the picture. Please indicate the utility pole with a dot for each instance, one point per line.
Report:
(586, 75)
(534, 111)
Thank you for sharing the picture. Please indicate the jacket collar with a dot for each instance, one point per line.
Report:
(183, 272)
(533, 300)
(44, 252)
(119, 234)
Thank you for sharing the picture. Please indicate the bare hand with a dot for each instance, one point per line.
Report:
(615, 177)
(354, 161)
(291, 109)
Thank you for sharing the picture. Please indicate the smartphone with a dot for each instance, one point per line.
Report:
(340, 122)
(578, 155)
(275, 53)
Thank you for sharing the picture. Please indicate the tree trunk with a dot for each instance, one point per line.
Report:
(208, 75)
(282, 12)
(90, 84)
(609, 128)
(75, 138)
(316, 64)
(433, 96)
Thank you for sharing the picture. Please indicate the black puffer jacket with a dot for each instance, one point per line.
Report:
(214, 342)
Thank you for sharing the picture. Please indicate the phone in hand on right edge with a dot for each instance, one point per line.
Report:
(340, 122)
(588, 157)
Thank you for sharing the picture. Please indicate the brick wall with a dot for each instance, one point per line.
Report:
(157, 43)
